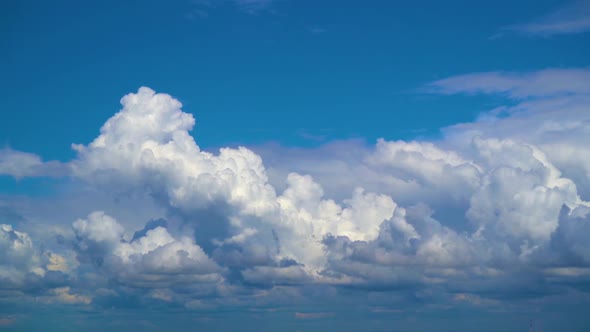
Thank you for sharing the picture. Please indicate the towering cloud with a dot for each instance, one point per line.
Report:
(147, 146)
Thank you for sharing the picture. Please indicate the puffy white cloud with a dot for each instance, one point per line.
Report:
(550, 113)
(17, 257)
(153, 259)
(535, 154)
(428, 165)
(522, 192)
(306, 218)
(514, 195)
(17, 247)
(542, 162)
(511, 191)
(27, 269)
(147, 145)
(507, 195)
(460, 214)
(408, 244)
(98, 228)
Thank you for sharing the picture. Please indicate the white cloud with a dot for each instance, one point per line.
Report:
(512, 191)
(154, 259)
(147, 145)
(550, 113)
(98, 228)
(25, 267)
(17, 257)
(428, 165)
(522, 193)
(306, 218)
(22, 164)
(484, 203)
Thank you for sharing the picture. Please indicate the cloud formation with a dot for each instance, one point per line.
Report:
(549, 110)
(488, 206)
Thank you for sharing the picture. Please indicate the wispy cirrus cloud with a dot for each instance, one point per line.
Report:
(253, 6)
(22, 164)
(543, 83)
(573, 18)
(202, 8)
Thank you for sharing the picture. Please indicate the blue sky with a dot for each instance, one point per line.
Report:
(294, 165)
(261, 76)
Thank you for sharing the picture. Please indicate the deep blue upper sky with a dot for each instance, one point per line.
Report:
(295, 72)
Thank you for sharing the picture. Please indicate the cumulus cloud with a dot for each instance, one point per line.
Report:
(427, 165)
(488, 204)
(155, 259)
(26, 269)
(147, 146)
(509, 175)
(18, 257)
(550, 112)
(523, 193)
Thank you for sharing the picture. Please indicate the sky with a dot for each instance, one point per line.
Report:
(293, 165)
